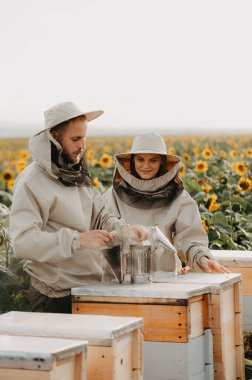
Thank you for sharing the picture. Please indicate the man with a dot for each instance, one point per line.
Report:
(58, 219)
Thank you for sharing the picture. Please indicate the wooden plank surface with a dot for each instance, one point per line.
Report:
(227, 334)
(137, 354)
(246, 274)
(18, 374)
(161, 322)
(133, 300)
(123, 360)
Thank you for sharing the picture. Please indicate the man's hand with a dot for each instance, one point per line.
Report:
(212, 266)
(95, 239)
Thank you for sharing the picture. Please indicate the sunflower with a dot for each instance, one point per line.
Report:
(245, 183)
(207, 189)
(186, 157)
(196, 151)
(204, 225)
(10, 184)
(240, 168)
(94, 162)
(90, 154)
(201, 166)
(8, 175)
(223, 180)
(96, 183)
(233, 153)
(202, 181)
(248, 152)
(24, 155)
(214, 205)
(107, 149)
(182, 170)
(238, 190)
(171, 151)
(214, 198)
(223, 154)
(105, 160)
(20, 165)
(207, 153)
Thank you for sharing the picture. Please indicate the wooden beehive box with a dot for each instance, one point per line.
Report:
(114, 343)
(240, 262)
(225, 320)
(30, 358)
(175, 317)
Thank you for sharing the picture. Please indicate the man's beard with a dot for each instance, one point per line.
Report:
(68, 160)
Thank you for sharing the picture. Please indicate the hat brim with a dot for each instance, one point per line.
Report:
(89, 117)
(93, 115)
(169, 157)
(149, 151)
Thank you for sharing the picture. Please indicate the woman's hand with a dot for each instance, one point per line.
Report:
(208, 265)
(95, 239)
(136, 232)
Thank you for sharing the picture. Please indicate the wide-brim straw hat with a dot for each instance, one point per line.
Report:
(65, 111)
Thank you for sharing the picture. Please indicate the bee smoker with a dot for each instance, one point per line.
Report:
(131, 262)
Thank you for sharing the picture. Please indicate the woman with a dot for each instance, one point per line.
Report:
(147, 190)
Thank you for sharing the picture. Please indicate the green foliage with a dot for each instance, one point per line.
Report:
(225, 207)
(247, 340)
(12, 290)
(14, 282)
(5, 199)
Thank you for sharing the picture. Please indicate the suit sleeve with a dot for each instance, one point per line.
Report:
(190, 238)
(28, 217)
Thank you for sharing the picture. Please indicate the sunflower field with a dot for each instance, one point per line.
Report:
(216, 171)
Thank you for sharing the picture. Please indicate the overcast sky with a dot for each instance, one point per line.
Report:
(146, 63)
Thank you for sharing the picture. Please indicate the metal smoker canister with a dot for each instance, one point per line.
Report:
(140, 263)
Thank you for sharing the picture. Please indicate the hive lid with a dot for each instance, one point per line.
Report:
(148, 290)
(27, 352)
(217, 281)
(98, 330)
(233, 258)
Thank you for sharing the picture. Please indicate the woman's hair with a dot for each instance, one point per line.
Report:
(162, 169)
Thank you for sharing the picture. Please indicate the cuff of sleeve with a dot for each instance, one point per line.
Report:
(197, 257)
(76, 241)
(120, 223)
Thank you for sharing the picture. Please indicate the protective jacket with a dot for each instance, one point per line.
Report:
(46, 218)
(161, 201)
